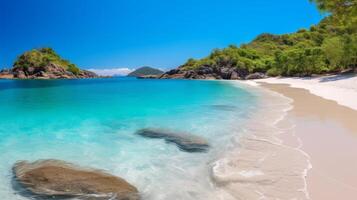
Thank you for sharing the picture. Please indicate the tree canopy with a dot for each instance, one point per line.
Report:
(329, 46)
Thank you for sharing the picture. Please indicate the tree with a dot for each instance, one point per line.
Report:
(350, 50)
(334, 50)
(337, 7)
(344, 11)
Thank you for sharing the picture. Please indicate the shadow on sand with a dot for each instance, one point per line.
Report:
(337, 77)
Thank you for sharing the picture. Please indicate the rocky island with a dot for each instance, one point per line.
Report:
(146, 72)
(44, 63)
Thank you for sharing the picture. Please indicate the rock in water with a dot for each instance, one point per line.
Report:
(59, 179)
(224, 107)
(186, 142)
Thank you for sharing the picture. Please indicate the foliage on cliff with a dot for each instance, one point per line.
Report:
(330, 46)
(42, 57)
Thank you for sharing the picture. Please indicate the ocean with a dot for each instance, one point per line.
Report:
(92, 123)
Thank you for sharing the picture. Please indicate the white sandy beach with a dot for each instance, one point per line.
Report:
(301, 144)
(339, 88)
(324, 115)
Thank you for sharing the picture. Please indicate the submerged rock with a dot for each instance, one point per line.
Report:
(59, 179)
(224, 107)
(186, 142)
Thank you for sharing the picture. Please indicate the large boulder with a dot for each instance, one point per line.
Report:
(190, 74)
(204, 70)
(59, 179)
(226, 72)
(185, 142)
(173, 74)
(256, 75)
(19, 74)
(173, 71)
(235, 76)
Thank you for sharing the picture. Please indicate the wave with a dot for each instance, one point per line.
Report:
(262, 166)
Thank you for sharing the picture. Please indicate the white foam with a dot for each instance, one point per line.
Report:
(253, 169)
(251, 173)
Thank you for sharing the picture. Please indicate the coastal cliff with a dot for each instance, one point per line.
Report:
(44, 63)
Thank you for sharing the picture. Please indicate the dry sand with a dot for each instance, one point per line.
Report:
(327, 132)
(339, 88)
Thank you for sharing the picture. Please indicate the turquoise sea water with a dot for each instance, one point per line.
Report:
(92, 123)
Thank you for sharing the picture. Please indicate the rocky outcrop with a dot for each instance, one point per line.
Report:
(89, 74)
(50, 71)
(208, 72)
(58, 179)
(44, 63)
(185, 142)
(256, 75)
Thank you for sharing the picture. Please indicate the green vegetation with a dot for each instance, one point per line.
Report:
(40, 58)
(330, 46)
(145, 71)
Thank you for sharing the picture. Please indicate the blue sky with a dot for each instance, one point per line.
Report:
(130, 33)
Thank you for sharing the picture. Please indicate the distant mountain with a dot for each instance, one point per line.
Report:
(145, 71)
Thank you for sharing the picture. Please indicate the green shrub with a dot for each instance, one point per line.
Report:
(43, 57)
(274, 72)
(72, 68)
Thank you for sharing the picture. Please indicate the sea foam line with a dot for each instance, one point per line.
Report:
(231, 171)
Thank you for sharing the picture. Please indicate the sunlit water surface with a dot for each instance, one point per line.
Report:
(92, 123)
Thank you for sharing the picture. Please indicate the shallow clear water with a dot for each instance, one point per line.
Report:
(92, 123)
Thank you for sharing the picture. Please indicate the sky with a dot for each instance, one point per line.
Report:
(115, 35)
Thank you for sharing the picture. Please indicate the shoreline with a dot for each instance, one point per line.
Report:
(328, 133)
(321, 129)
(263, 166)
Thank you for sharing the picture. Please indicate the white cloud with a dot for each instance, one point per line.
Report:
(112, 71)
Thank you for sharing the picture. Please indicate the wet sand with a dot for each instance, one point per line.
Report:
(327, 132)
(261, 166)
